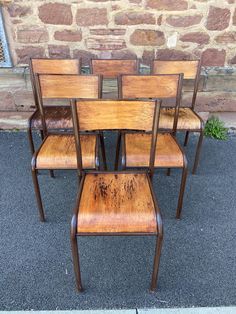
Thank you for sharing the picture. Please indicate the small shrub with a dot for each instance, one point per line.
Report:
(216, 129)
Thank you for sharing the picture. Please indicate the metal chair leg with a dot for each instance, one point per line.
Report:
(103, 150)
(41, 134)
(51, 174)
(168, 172)
(181, 192)
(156, 262)
(50, 171)
(38, 195)
(75, 257)
(31, 143)
(118, 143)
(199, 146)
(186, 138)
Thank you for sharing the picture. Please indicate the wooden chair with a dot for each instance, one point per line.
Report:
(116, 203)
(188, 119)
(111, 69)
(56, 117)
(136, 145)
(58, 150)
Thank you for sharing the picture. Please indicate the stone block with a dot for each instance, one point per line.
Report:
(32, 34)
(56, 14)
(68, 35)
(218, 19)
(58, 51)
(105, 43)
(91, 16)
(196, 37)
(134, 18)
(213, 57)
(145, 37)
(6, 101)
(168, 5)
(26, 52)
(24, 100)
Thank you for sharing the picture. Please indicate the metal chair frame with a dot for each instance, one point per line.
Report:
(173, 131)
(188, 130)
(46, 133)
(35, 96)
(74, 235)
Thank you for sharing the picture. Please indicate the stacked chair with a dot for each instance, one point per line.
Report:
(188, 119)
(116, 203)
(119, 202)
(56, 117)
(136, 146)
(58, 149)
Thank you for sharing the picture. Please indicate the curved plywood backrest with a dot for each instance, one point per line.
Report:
(113, 68)
(69, 86)
(56, 66)
(115, 114)
(149, 86)
(188, 68)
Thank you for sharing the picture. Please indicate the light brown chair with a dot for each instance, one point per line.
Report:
(58, 150)
(116, 203)
(112, 69)
(136, 146)
(188, 119)
(56, 117)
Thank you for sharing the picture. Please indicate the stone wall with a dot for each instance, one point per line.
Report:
(147, 29)
(123, 28)
(217, 90)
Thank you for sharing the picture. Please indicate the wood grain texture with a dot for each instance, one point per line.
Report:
(168, 153)
(115, 114)
(69, 86)
(59, 152)
(188, 68)
(116, 203)
(56, 117)
(113, 68)
(187, 119)
(149, 86)
(56, 66)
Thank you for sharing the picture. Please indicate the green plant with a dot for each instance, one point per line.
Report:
(216, 129)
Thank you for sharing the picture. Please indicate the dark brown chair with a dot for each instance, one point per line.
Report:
(116, 203)
(58, 150)
(136, 146)
(56, 117)
(188, 119)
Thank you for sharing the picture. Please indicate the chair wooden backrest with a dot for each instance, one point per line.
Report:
(100, 115)
(52, 66)
(190, 69)
(57, 86)
(112, 68)
(152, 86)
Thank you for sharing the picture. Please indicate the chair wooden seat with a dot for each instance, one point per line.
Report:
(187, 119)
(56, 117)
(168, 152)
(59, 152)
(120, 203)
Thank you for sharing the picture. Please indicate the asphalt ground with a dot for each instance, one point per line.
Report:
(198, 263)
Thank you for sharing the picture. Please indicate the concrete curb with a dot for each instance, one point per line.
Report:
(197, 310)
